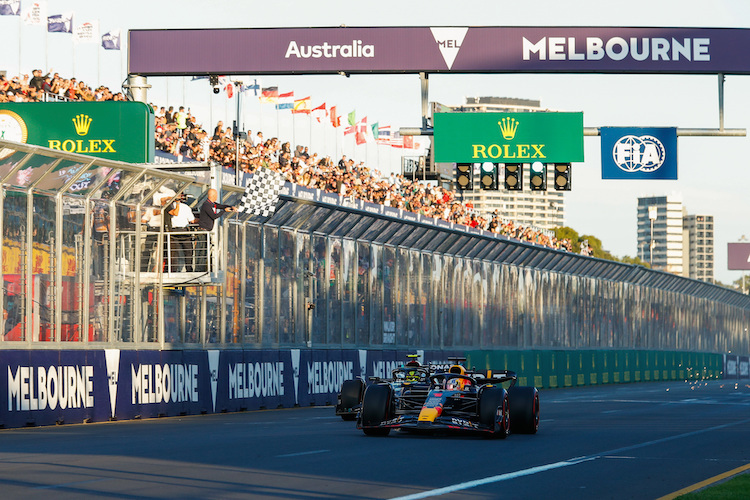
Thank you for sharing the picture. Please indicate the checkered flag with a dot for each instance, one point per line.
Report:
(262, 193)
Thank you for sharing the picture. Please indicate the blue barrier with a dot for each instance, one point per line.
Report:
(48, 387)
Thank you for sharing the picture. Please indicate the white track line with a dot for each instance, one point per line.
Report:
(543, 468)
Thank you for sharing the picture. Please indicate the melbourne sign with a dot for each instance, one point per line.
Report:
(639, 153)
(508, 137)
(459, 49)
(113, 130)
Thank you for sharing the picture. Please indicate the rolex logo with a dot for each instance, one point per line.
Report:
(83, 122)
(508, 127)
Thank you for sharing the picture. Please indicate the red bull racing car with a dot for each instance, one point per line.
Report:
(453, 400)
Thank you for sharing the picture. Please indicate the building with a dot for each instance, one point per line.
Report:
(673, 241)
(698, 249)
(542, 209)
(660, 238)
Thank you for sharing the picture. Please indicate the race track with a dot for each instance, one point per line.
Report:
(604, 442)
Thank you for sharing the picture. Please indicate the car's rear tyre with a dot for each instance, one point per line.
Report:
(351, 395)
(524, 409)
(375, 409)
(491, 401)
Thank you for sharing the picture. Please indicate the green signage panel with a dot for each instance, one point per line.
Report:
(115, 130)
(508, 137)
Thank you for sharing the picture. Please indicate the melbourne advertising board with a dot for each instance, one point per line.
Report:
(458, 49)
(639, 153)
(47, 387)
(508, 137)
(115, 130)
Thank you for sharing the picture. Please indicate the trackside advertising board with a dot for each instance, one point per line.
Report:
(115, 130)
(508, 137)
(639, 153)
(45, 387)
(457, 49)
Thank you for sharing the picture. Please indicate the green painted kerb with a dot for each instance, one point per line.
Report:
(568, 368)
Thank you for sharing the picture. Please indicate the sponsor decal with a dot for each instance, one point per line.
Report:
(248, 380)
(164, 383)
(112, 360)
(213, 369)
(362, 363)
(329, 51)
(38, 388)
(449, 42)
(12, 128)
(464, 423)
(327, 376)
(81, 125)
(295, 373)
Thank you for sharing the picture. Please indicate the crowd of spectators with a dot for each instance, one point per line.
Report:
(51, 86)
(179, 133)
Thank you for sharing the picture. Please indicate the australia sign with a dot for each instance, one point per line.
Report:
(508, 137)
(639, 153)
(113, 130)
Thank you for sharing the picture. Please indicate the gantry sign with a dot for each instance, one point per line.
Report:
(439, 50)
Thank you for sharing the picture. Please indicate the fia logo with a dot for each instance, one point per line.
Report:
(643, 153)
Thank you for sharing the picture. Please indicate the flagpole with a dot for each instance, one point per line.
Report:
(98, 56)
(20, 43)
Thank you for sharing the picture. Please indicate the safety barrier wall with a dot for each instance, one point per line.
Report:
(75, 386)
(569, 368)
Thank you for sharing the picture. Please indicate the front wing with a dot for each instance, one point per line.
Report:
(443, 422)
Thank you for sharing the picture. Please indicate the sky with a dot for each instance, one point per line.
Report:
(713, 172)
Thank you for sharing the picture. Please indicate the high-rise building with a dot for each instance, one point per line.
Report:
(544, 209)
(660, 239)
(698, 252)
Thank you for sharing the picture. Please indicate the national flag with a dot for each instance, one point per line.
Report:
(349, 130)
(35, 14)
(352, 119)
(374, 128)
(262, 192)
(270, 95)
(255, 87)
(10, 7)
(86, 33)
(302, 105)
(111, 41)
(384, 132)
(335, 118)
(286, 101)
(361, 136)
(319, 113)
(60, 23)
(226, 83)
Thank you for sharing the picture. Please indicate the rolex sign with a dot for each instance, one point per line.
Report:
(508, 137)
(115, 130)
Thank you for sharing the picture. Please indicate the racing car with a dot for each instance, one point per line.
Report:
(456, 400)
(349, 399)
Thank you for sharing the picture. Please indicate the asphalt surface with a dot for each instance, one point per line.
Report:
(637, 441)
